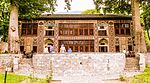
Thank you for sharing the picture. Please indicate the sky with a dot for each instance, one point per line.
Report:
(76, 6)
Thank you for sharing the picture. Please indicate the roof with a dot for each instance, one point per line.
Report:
(82, 17)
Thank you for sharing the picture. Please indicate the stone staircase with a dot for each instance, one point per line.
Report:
(132, 63)
(25, 67)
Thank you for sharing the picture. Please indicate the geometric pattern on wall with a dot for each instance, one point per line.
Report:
(111, 39)
(40, 39)
(21, 42)
(34, 42)
(116, 41)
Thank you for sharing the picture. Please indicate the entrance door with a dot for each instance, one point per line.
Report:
(103, 49)
(117, 49)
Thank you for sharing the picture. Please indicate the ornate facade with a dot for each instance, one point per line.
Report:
(84, 33)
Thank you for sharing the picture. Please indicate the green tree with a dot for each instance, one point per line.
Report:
(145, 6)
(90, 11)
(126, 7)
(26, 9)
(4, 19)
(113, 6)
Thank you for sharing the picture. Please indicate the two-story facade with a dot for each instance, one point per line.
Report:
(80, 32)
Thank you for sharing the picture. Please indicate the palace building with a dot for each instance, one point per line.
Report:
(80, 32)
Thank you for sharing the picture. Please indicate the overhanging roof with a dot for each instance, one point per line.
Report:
(82, 17)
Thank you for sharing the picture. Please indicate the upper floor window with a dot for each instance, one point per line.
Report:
(102, 29)
(122, 28)
(49, 31)
(29, 28)
(76, 29)
(102, 33)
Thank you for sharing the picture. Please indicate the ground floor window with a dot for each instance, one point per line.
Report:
(103, 49)
(21, 49)
(117, 48)
(34, 48)
(78, 45)
(130, 47)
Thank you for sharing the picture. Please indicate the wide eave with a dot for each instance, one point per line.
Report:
(81, 17)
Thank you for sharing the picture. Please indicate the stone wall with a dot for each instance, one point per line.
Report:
(79, 64)
(6, 60)
(66, 65)
(147, 59)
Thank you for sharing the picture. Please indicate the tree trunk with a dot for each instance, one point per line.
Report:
(13, 37)
(140, 45)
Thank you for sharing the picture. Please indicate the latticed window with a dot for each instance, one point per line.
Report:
(102, 29)
(29, 28)
(122, 28)
(102, 33)
(76, 29)
(49, 31)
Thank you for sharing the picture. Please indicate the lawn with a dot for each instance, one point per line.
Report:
(14, 78)
(142, 78)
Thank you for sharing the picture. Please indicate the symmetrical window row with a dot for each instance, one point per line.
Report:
(76, 29)
(29, 28)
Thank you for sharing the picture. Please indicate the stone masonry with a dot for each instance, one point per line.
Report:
(83, 64)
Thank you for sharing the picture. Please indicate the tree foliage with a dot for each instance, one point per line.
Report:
(27, 9)
(4, 19)
(145, 6)
(124, 7)
(113, 6)
(32, 8)
(90, 11)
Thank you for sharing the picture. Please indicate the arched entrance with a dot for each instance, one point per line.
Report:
(103, 45)
(48, 43)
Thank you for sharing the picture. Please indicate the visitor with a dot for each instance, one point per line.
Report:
(45, 49)
(69, 50)
(124, 51)
(62, 49)
(51, 49)
(127, 53)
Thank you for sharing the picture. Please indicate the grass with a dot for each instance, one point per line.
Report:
(14, 78)
(142, 78)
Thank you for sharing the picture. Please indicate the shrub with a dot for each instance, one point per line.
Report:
(122, 78)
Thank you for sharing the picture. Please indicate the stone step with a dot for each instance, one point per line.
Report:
(132, 63)
(25, 61)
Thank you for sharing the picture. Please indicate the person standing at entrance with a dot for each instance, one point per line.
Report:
(46, 49)
(69, 50)
(51, 49)
(62, 49)
(124, 51)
